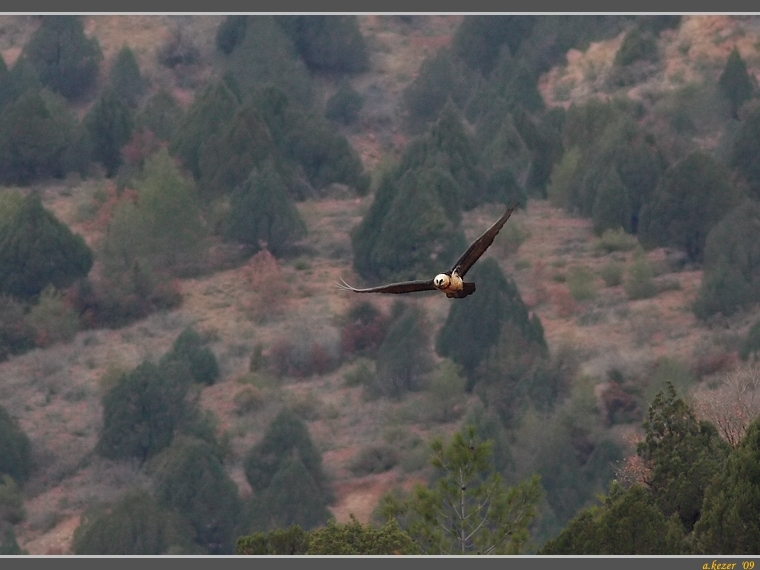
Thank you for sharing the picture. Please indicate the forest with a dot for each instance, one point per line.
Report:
(179, 374)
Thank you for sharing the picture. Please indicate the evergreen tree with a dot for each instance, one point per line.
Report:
(109, 123)
(735, 83)
(352, 538)
(745, 154)
(15, 449)
(262, 214)
(65, 60)
(191, 481)
(226, 160)
(279, 541)
(468, 510)
(125, 77)
(161, 114)
(143, 411)
(191, 349)
(330, 43)
(21, 78)
(730, 521)
(16, 334)
(403, 358)
(134, 525)
(344, 105)
(286, 438)
(637, 45)
(611, 206)
(479, 40)
(37, 250)
(209, 114)
(692, 196)
(230, 33)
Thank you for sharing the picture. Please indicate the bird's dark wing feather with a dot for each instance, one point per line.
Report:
(480, 245)
(395, 288)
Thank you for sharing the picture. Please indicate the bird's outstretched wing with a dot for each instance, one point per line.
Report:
(395, 288)
(480, 245)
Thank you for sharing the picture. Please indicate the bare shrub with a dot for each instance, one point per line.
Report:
(733, 405)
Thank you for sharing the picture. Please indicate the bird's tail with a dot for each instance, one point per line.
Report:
(467, 289)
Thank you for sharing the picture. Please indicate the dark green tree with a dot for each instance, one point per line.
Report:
(65, 59)
(144, 410)
(745, 154)
(230, 33)
(691, 198)
(209, 114)
(479, 40)
(286, 438)
(125, 78)
(191, 481)
(15, 449)
(403, 358)
(109, 123)
(8, 544)
(611, 208)
(161, 114)
(329, 43)
(617, 527)
(262, 214)
(730, 521)
(468, 509)
(732, 271)
(16, 334)
(352, 538)
(280, 541)
(751, 344)
(344, 105)
(191, 349)
(37, 250)
(292, 497)
(683, 454)
(35, 132)
(474, 326)
(227, 159)
(135, 524)
(21, 78)
(735, 83)
(637, 45)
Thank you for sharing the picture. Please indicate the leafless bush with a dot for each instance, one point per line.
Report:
(734, 404)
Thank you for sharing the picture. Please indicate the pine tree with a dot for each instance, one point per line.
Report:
(109, 123)
(735, 83)
(329, 43)
(468, 510)
(745, 154)
(37, 250)
(262, 214)
(191, 481)
(161, 114)
(611, 206)
(191, 349)
(125, 77)
(15, 449)
(65, 60)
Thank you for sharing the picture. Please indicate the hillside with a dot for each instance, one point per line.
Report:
(55, 391)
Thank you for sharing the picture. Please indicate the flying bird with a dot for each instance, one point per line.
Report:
(451, 282)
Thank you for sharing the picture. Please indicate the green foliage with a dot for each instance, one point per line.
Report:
(374, 459)
(403, 358)
(691, 198)
(65, 60)
(15, 449)
(161, 114)
(751, 343)
(683, 454)
(143, 411)
(580, 281)
(475, 324)
(286, 437)
(337, 539)
(735, 83)
(21, 78)
(125, 78)
(611, 209)
(468, 510)
(639, 283)
(480, 39)
(230, 33)
(191, 349)
(637, 45)
(745, 154)
(732, 277)
(327, 43)
(191, 481)
(16, 334)
(8, 544)
(37, 250)
(729, 521)
(262, 214)
(52, 318)
(208, 115)
(447, 387)
(563, 174)
(344, 105)
(109, 123)
(280, 541)
(36, 132)
(612, 274)
(11, 501)
(615, 240)
(267, 55)
(617, 527)
(135, 524)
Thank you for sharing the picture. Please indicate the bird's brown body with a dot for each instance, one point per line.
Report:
(452, 282)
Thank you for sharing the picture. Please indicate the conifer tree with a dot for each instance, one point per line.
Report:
(125, 78)
(735, 83)
(15, 449)
(109, 123)
(161, 114)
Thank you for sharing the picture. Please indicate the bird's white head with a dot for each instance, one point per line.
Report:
(441, 281)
